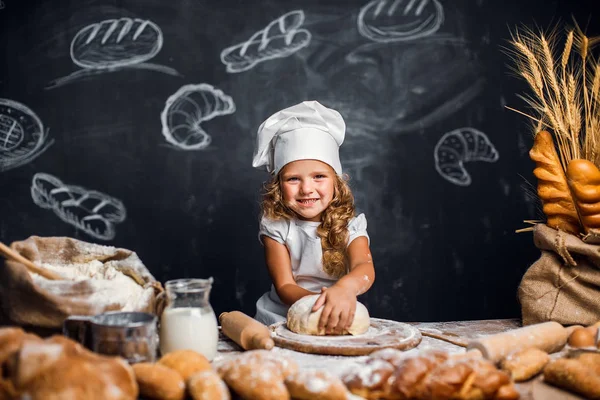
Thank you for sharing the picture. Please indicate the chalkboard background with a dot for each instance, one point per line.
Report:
(442, 250)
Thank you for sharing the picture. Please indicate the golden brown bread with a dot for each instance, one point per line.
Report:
(584, 180)
(525, 364)
(59, 368)
(207, 385)
(553, 189)
(186, 362)
(258, 374)
(313, 384)
(580, 374)
(159, 382)
(433, 375)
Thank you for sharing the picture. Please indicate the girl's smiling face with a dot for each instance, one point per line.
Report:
(307, 187)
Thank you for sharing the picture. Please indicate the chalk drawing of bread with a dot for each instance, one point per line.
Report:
(458, 147)
(116, 43)
(399, 20)
(22, 135)
(189, 107)
(93, 212)
(281, 38)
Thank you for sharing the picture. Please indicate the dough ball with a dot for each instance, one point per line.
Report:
(301, 320)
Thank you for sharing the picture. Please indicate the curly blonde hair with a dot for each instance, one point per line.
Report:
(333, 229)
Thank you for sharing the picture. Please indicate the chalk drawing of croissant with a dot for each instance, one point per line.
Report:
(458, 147)
(93, 212)
(399, 20)
(114, 44)
(187, 109)
(281, 38)
(22, 135)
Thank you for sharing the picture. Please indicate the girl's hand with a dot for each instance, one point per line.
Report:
(339, 308)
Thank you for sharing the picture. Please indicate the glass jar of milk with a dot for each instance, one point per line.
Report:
(188, 321)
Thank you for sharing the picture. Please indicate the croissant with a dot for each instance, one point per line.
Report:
(553, 189)
(584, 180)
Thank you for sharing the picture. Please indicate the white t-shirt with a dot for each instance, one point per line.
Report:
(304, 245)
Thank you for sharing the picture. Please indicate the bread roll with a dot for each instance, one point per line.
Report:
(207, 385)
(159, 382)
(185, 362)
(315, 385)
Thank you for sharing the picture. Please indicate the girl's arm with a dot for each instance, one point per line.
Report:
(340, 299)
(280, 270)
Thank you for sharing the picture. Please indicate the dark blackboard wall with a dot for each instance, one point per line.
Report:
(442, 251)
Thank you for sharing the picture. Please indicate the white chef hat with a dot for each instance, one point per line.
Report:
(305, 131)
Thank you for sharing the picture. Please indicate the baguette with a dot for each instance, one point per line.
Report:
(553, 189)
(584, 180)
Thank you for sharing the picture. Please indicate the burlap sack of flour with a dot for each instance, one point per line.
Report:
(96, 279)
(563, 285)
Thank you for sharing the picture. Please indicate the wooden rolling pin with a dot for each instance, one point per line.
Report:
(547, 336)
(246, 331)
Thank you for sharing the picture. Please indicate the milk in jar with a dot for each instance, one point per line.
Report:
(189, 322)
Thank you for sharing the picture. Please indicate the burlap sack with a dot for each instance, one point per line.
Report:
(563, 285)
(27, 303)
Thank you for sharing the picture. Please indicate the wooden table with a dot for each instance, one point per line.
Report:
(458, 329)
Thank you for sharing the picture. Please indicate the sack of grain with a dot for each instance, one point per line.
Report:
(96, 279)
(563, 285)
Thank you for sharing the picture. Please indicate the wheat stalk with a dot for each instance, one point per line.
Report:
(566, 93)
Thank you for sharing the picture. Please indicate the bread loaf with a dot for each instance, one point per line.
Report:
(584, 180)
(553, 189)
(431, 375)
(59, 368)
(580, 374)
(525, 364)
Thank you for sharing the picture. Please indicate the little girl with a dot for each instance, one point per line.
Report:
(313, 241)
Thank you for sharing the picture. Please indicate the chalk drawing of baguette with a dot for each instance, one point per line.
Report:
(22, 135)
(281, 38)
(187, 109)
(93, 212)
(115, 44)
(457, 147)
(399, 20)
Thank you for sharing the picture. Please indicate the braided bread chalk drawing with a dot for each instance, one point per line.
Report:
(186, 109)
(399, 20)
(22, 135)
(93, 212)
(458, 147)
(114, 44)
(281, 38)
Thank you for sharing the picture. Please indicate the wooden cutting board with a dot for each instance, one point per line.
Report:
(381, 334)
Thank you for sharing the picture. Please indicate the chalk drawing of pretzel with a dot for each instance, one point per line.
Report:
(22, 135)
(399, 20)
(458, 147)
(187, 108)
(93, 212)
(281, 38)
(115, 44)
